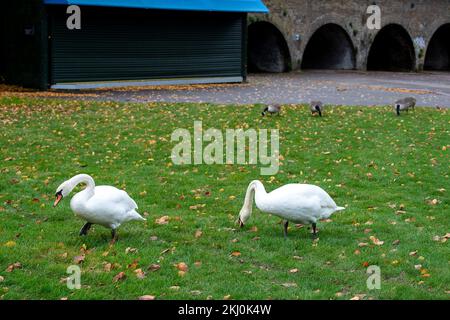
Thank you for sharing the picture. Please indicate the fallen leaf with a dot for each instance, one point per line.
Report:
(365, 264)
(182, 266)
(130, 250)
(2, 279)
(10, 244)
(119, 276)
(108, 267)
(235, 253)
(14, 266)
(79, 259)
(154, 267)
(295, 270)
(227, 297)
(363, 244)
(139, 273)
(174, 288)
(162, 220)
(147, 297)
(376, 241)
(198, 233)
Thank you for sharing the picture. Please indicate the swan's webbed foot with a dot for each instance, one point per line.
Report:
(285, 228)
(85, 229)
(114, 236)
(314, 231)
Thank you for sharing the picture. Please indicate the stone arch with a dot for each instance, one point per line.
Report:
(267, 49)
(438, 52)
(330, 47)
(392, 50)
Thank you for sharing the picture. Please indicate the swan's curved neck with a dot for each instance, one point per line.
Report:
(254, 190)
(82, 178)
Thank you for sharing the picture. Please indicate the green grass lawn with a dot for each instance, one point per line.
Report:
(392, 174)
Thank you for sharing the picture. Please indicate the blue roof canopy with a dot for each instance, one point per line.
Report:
(193, 5)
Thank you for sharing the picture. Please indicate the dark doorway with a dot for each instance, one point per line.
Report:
(392, 50)
(330, 47)
(267, 50)
(438, 52)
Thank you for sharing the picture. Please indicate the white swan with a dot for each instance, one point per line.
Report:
(103, 205)
(299, 203)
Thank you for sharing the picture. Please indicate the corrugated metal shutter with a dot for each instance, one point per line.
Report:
(130, 44)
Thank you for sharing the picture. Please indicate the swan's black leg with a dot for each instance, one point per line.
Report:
(285, 228)
(314, 227)
(113, 236)
(85, 229)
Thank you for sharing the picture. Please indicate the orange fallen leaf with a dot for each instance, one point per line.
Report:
(235, 253)
(182, 266)
(139, 273)
(376, 241)
(119, 276)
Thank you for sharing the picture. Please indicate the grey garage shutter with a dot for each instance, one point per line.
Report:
(132, 44)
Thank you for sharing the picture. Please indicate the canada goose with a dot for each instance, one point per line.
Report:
(404, 104)
(103, 205)
(316, 107)
(272, 109)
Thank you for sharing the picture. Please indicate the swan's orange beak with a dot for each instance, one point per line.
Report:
(58, 199)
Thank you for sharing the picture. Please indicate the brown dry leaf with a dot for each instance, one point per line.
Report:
(413, 253)
(139, 273)
(235, 254)
(254, 229)
(108, 267)
(197, 263)
(147, 297)
(198, 234)
(396, 242)
(162, 220)
(295, 270)
(357, 252)
(227, 297)
(119, 276)
(154, 267)
(376, 241)
(182, 266)
(79, 259)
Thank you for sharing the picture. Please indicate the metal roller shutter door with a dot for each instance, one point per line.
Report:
(130, 44)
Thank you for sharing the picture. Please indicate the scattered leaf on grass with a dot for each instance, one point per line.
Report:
(139, 273)
(120, 276)
(147, 297)
(79, 259)
(154, 267)
(162, 220)
(376, 241)
(182, 266)
(198, 233)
